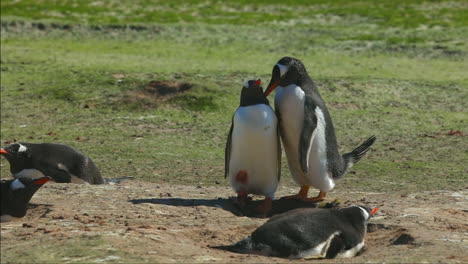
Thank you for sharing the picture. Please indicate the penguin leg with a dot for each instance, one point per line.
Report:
(320, 197)
(265, 206)
(301, 195)
(242, 199)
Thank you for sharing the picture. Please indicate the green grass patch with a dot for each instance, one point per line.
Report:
(393, 69)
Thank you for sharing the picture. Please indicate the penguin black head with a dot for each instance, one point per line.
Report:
(287, 71)
(17, 154)
(360, 212)
(252, 93)
(17, 193)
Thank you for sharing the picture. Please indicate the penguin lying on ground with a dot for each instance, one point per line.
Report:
(253, 150)
(60, 162)
(16, 195)
(307, 131)
(309, 233)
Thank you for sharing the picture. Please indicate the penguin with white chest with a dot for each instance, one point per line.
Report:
(309, 233)
(307, 131)
(253, 150)
(64, 164)
(16, 195)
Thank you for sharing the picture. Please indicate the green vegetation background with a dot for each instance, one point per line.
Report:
(74, 71)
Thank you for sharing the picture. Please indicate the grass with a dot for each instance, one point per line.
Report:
(396, 70)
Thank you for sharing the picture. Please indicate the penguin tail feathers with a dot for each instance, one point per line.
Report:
(354, 156)
(243, 246)
(117, 180)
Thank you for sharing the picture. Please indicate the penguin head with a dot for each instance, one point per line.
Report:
(25, 184)
(252, 93)
(18, 193)
(17, 153)
(367, 212)
(286, 71)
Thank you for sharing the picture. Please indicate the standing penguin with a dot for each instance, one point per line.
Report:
(253, 150)
(309, 233)
(61, 162)
(307, 131)
(16, 195)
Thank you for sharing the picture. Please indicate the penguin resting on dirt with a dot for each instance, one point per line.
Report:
(307, 131)
(309, 233)
(64, 164)
(253, 150)
(16, 195)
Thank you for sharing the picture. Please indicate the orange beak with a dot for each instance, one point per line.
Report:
(42, 181)
(372, 212)
(271, 87)
(275, 80)
(3, 151)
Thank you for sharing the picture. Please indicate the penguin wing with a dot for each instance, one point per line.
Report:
(227, 151)
(307, 133)
(278, 142)
(55, 172)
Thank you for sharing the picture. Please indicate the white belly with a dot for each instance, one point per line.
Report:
(254, 149)
(29, 173)
(289, 101)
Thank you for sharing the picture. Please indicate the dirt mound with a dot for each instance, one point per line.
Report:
(156, 91)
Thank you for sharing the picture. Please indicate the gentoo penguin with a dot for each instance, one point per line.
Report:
(309, 233)
(60, 162)
(307, 131)
(253, 150)
(16, 195)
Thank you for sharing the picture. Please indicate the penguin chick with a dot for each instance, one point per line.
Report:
(253, 150)
(62, 163)
(309, 233)
(16, 195)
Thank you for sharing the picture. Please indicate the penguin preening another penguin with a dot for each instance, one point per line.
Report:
(253, 150)
(307, 131)
(309, 233)
(16, 195)
(64, 164)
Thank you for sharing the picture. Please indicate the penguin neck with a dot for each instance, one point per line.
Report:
(251, 96)
(356, 217)
(17, 165)
(10, 204)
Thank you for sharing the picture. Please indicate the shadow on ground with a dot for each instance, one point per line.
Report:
(250, 209)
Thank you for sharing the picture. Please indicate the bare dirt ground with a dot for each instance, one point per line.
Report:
(137, 221)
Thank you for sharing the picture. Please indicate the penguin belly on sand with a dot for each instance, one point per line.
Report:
(64, 164)
(16, 195)
(307, 131)
(253, 151)
(309, 233)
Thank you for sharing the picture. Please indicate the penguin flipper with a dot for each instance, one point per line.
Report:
(227, 151)
(336, 246)
(59, 176)
(307, 133)
(278, 141)
(244, 246)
